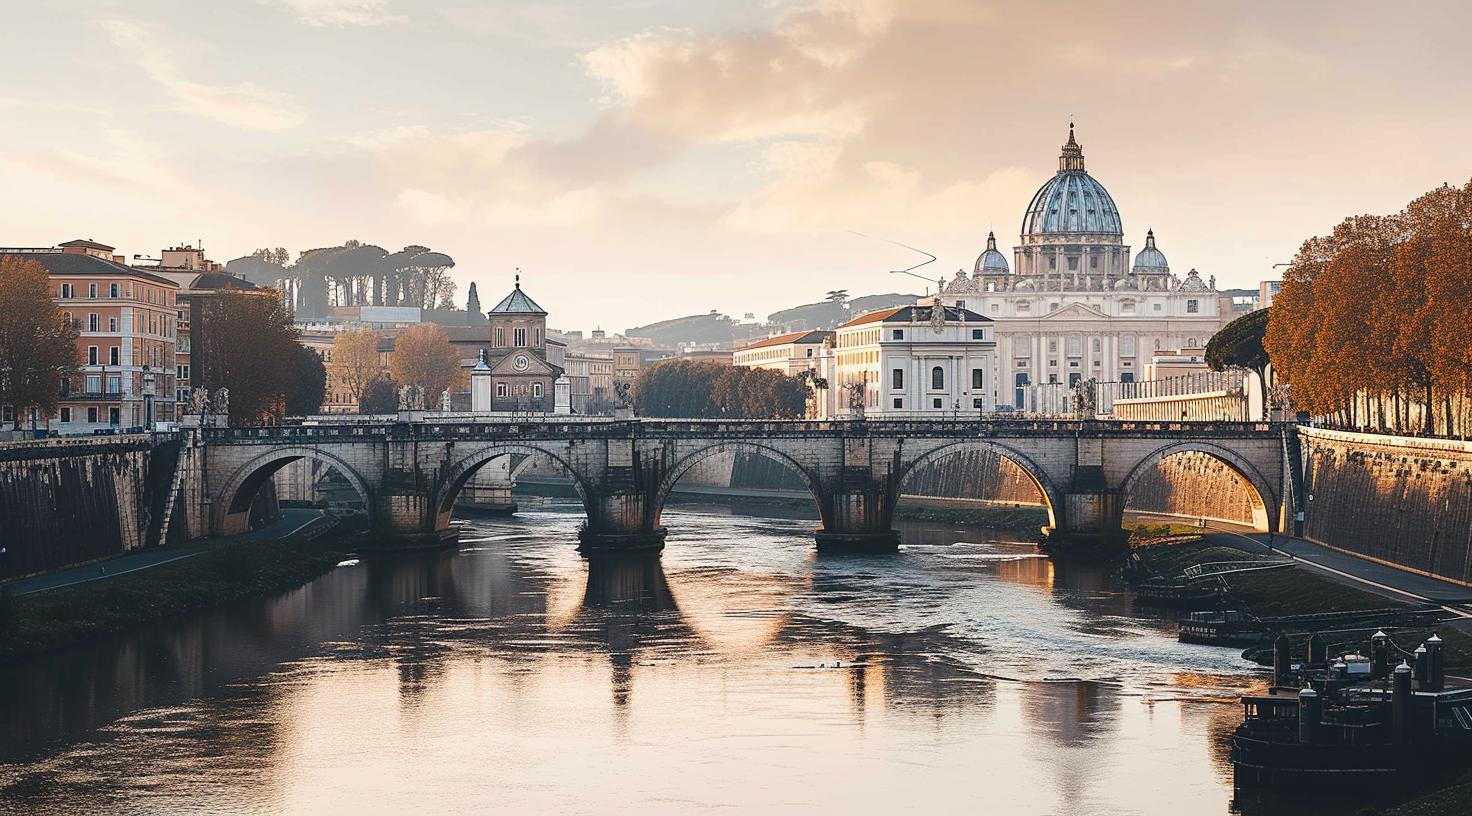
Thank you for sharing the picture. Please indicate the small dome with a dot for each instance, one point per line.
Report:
(1072, 201)
(1151, 259)
(991, 261)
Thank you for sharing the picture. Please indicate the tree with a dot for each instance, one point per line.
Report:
(355, 361)
(279, 256)
(380, 397)
(423, 357)
(308, 383)
(38, 348)
(684, 388)
(472, 306)
(1239, 345)
(839, 296)
(244, 341)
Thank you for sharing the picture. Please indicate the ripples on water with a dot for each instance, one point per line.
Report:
(741, 671)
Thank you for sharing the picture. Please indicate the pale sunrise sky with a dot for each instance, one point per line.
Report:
(648, 159)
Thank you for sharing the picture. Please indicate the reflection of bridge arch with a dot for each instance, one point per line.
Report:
(683, 466)
(239, 491)
(462, 470)
(1052, 497)
(1259, 489)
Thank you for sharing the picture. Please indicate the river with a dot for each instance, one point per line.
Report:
(741, 671)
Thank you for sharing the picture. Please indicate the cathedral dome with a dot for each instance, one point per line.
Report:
(991, 261)
(1072, 201)
(1151, 259)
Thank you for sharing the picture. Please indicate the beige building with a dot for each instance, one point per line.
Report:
(591, 379)
(790, 354)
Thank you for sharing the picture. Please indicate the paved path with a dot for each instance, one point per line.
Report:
(292, 520)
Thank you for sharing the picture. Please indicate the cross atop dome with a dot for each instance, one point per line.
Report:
(1072, 157)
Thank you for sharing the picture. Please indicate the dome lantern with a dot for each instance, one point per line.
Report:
(991, 262)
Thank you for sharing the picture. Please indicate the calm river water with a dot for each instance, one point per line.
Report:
(739, 672)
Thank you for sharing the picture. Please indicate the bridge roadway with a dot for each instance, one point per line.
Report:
(410, 473)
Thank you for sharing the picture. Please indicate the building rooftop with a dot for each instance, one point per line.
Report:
(517, 303)
(916, 314)
(72, 263)
(817, 336)
(85, 243)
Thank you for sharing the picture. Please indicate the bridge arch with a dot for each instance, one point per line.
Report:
(239, 491)
(680, 468)
(463, 469)
(1052, 496)
(1259, 490)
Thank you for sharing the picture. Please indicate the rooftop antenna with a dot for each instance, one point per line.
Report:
(907, 270)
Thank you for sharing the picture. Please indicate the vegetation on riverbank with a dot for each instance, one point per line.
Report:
(1455, 800)
(1022, 520)
(1287, 591)
(55, 619)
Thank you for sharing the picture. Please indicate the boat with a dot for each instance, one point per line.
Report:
(1164, 592)
(1222, 628)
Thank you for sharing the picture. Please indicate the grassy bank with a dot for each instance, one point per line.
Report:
(1288, 591)
(1020, 520)
(55, 619)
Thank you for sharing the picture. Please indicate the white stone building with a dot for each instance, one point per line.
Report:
(912, 360)
(1075, 307)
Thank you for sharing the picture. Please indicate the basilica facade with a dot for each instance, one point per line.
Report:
(1073, 305)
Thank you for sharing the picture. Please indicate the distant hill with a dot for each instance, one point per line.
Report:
(827, 314)
(715, 327)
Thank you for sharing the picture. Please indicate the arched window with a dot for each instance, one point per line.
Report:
(937, 378)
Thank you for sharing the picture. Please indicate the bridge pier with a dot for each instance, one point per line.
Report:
(859, 517)
(621, 521)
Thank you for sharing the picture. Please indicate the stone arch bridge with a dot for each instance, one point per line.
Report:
(411, 473)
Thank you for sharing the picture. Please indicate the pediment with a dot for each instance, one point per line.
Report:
(1076, 311)
(508, 365)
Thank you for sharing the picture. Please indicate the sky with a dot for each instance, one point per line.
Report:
(644, 159)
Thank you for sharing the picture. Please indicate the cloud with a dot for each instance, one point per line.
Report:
(783, 81)
(243, 105)
(342, 13)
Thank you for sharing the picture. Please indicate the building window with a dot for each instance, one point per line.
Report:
(960, 304)
(536, 389)
(976, 403)
(502, 390)
(1053, 379)
(810, 352)
(112, 416)
(1053, 307)
(92, 322)
(66, 415)
(1190, 342)
(935, 403)
(182, 372)
(112, 290)
(91, 355)
(114, 384)
(500, 337)
(93, 383)
(1052, 346)
(1193, 306)
(978, 380)
(518, 337)
(898, 380)
(112, 325)
(1157, 307)
(1096, 345)
(1073, 263)
(1127, 377)
(1127, 307)
(1024, 306)
(995, 307)
(1073, 378)
(978, 334)
(1093, 261)
(937, 378)
(114, 355)
(92, 415)
(1052, 363)
(1127, 345)
(1052, 263)
(91, 290)
(66, 290)
(897, 334)
(1075, 345)
(899, 402)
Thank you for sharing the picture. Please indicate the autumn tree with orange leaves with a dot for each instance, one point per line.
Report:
(1373, 325)
(38, 348)
(423, 357)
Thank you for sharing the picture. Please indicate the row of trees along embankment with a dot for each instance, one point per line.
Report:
(688, 388)
(1373, 326)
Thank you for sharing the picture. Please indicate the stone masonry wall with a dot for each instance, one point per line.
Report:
(70, 503)
(1191, 484)
(1400, 500)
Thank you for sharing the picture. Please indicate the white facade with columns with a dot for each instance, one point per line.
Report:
(914, 360)
(1075, 308)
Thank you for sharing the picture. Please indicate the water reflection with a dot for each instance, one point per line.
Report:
(739, 669)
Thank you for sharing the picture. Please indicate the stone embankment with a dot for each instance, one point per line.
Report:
(1399, 500)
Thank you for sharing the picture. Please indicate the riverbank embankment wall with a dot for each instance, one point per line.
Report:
(1405, 501)
(74, 501)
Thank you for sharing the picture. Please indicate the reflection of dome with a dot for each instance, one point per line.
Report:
(1151, 259)
(1072, 201)
(991, 261)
